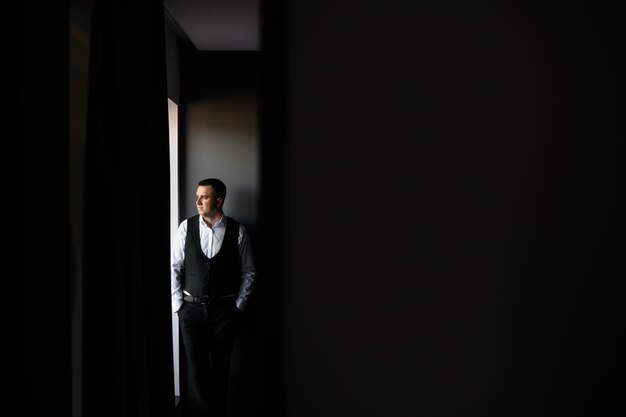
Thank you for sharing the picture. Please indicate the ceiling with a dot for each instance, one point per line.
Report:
(222, 25)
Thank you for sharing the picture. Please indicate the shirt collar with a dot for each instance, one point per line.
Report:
(220, 223)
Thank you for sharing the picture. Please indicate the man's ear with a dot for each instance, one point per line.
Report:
(220, 202)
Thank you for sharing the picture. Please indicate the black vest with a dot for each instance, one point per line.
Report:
(215, 277)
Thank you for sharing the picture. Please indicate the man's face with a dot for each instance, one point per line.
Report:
(207, 201)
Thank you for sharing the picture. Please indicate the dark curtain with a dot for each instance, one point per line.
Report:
(127, 348)
(35, 184)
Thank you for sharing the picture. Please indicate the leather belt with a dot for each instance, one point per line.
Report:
(204, 300)
(192, 299)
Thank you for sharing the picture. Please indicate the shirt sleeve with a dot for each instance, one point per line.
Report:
(178, 264)
(248, 270)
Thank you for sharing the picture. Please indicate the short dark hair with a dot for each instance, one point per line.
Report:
(218, 186)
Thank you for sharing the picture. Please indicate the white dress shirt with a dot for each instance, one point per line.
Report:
(211, 239)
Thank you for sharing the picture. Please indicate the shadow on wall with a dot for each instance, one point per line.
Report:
(223, 142)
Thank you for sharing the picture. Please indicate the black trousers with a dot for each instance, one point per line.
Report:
(208, 333)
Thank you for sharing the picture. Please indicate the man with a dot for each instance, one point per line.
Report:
(212, 278)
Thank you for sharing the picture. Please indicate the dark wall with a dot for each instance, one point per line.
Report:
(80, 39)
(453, 210)
(218, 73)
(221, 138)
(210, 77)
